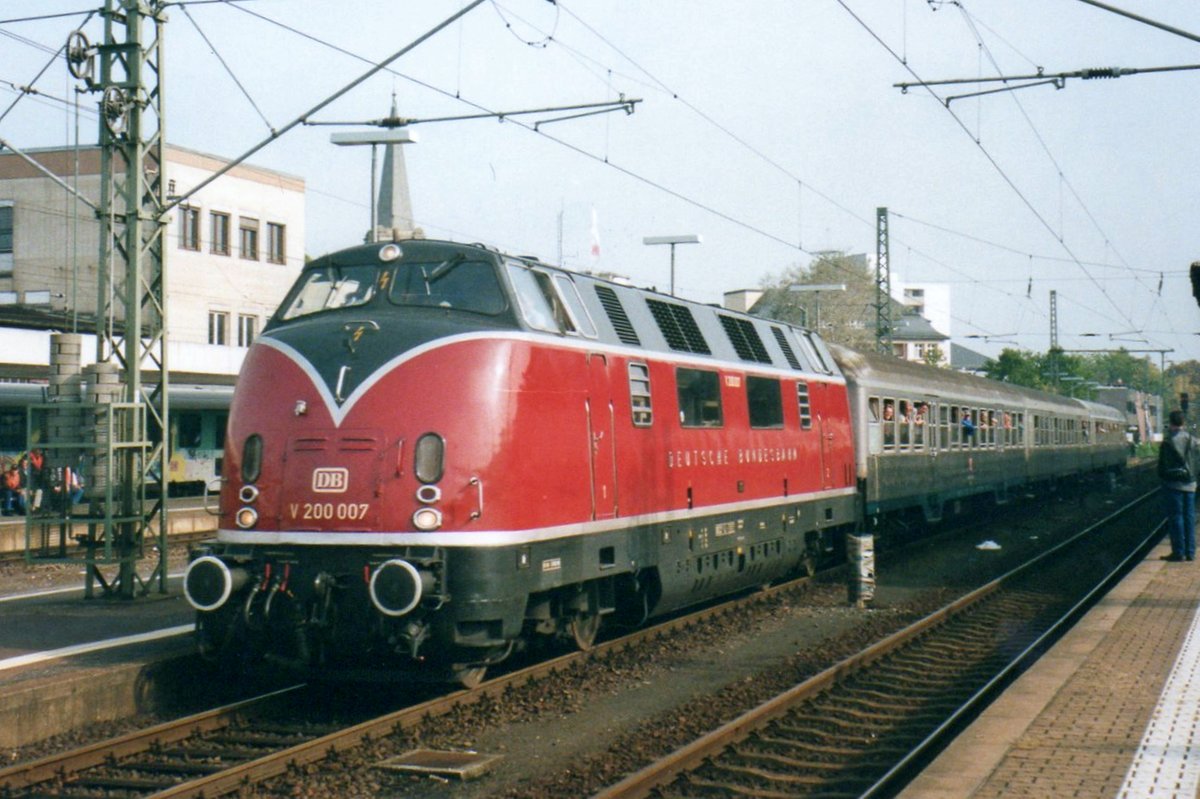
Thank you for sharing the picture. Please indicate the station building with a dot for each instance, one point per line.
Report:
(230, 255)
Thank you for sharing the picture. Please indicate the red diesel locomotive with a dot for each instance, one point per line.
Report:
(437, 453)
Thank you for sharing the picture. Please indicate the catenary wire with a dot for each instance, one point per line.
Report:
(991, 160)
(227, 68)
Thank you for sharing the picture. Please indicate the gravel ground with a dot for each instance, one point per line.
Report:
(19, 577)
(571, 735)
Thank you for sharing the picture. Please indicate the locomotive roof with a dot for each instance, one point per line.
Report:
(642, 318)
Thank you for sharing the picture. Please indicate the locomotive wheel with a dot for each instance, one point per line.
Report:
(583, 628)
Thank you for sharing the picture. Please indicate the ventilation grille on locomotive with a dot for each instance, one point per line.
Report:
(744, 339)
(678, 327)
(784, 345)
(805, 407)
(616, 314)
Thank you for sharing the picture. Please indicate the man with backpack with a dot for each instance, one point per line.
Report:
(1177, 470)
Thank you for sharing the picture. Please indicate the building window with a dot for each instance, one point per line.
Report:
(220, 233)
(246, 328)
(276, 243)
(189, 230)
(218, 327)
(248, 238)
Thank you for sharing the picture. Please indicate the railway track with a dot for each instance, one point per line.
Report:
(219, 751)
(862, 727)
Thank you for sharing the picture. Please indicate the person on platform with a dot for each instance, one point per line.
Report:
(1177, 470)
(36, 482)
(14, 503)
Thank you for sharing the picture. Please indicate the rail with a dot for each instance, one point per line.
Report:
(110, 755)
(703, 753)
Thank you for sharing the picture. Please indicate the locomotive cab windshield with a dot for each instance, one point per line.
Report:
(457, 283)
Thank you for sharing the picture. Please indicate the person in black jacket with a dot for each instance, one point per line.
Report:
(1177, 470)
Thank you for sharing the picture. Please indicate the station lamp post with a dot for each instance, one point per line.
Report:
(374, 138)
(816, 289)
(686, 238)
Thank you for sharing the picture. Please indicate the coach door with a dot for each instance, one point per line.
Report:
(600, 427)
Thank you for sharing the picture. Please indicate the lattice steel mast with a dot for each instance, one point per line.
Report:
(131, 319)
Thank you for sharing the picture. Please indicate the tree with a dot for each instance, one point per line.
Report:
(1119, 368)
(1182, 378)
(1019, 367)
(846, 317)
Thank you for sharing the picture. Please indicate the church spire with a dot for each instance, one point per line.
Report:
(394, 216)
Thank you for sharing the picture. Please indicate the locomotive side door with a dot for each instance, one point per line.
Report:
(820, 406)
(826, 452)
(602, 452)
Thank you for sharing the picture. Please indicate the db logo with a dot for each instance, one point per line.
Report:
(330, 481)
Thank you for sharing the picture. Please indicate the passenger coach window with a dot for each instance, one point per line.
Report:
(190, 428)
(699, 398)
(765, 398)
(889, 424)
(920, 420)
(639, 394)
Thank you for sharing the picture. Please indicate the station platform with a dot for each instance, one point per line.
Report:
(185, 516)
(1112, 710)
(66, 661)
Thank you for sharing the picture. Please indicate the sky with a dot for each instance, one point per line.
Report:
(773, 130)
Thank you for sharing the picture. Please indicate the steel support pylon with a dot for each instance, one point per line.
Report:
(131, 304)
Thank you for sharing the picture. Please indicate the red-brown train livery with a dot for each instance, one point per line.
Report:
(438, 453)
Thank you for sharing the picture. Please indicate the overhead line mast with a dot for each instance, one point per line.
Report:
(131, 290)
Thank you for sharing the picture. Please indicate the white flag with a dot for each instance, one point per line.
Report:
(595, 232)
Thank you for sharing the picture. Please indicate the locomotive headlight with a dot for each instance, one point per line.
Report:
(247, 518)
(248, 494)
(429, 495)
(427, 519)
(428, 462)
